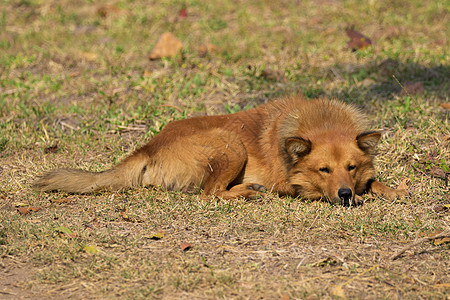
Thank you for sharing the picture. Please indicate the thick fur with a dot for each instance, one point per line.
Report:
(312, 148)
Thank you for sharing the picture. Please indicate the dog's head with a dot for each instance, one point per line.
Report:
(332, 165)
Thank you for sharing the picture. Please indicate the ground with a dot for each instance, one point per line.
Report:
(77, 89)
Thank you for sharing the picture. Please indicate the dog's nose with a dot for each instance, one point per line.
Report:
(345, 194)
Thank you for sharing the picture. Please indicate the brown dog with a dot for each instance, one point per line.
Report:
(296, 147)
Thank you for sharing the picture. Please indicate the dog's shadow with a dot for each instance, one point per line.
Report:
(382, 80)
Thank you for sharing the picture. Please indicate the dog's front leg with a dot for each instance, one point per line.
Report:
(380, 189)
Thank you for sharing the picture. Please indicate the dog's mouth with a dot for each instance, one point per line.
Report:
(344, 196)
(347, 202)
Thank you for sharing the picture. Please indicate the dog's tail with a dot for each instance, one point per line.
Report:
(127, 174)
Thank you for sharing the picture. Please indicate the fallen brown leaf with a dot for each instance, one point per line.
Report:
(285, 297)
(438, 172)
(74, 74)
(26, 210)
(183, 13)
(185, 246)
(108, 10)
(52, 149)
(166, 46)
(93, 224)
(65, 232)
(70, 235)
(147, 73)
(203, 50)
(338, 291)
(413, 88)
(357, 41)
(60, 201)
(273, 75)
(89, 56)
(126, 217)
(445, 105)
(442, 241)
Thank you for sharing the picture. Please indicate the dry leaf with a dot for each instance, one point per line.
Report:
(273, 75)
(185, 246)
(438, 172)
(156, 236)
(91, 249)
(89, 56)
(52, 149)
(203, 50)
(183, 13)
(26, 210)
(442, 241)
(74, 74)
(108, 10)
(126, 217)
(62, 229)
(61, 201)
(357, 41)
(445, 105)
(285, 297)
(166, 46)
(338, 291)
(413, 88)
(70, 236)
(93, 224)
(65, 232)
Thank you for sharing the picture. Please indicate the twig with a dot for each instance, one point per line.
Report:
(441, 235)
(401, 86)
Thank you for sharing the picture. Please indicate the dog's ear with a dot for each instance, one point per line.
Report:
(367, 141)
(297, 147)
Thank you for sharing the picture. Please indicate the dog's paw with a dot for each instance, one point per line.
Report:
(400, 192)
(358, 200)
(388, 193)
(393, 194)
(257, 187)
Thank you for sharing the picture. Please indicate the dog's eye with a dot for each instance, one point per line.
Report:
(351, 167)
(324, 170)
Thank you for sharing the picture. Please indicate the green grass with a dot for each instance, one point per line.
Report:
(72, 77)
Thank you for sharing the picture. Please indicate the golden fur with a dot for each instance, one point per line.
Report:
(297, 147)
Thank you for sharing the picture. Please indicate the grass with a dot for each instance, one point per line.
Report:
(82, 81)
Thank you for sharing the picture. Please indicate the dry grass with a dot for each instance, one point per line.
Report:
(72, 76)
